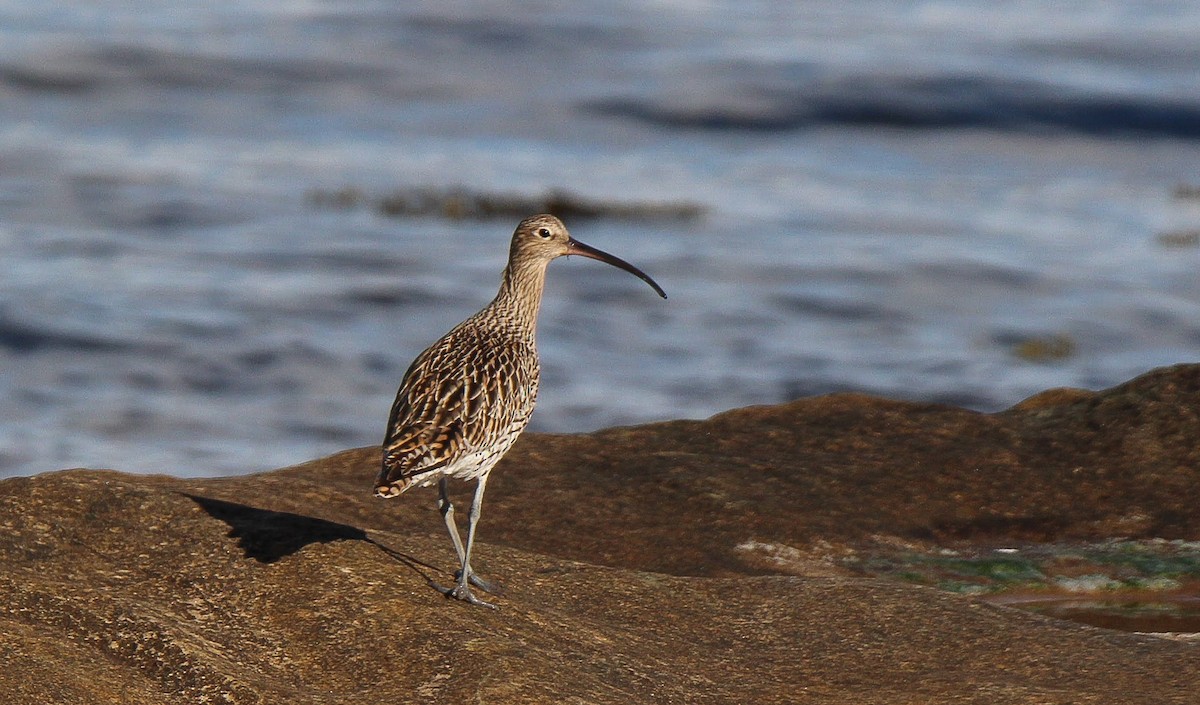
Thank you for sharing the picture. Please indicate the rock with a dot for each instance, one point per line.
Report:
(659, 563)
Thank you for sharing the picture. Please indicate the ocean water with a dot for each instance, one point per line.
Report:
(963, 202)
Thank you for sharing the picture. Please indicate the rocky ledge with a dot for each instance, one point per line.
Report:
(732, 560)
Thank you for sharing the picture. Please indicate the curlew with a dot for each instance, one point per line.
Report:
(464, 401)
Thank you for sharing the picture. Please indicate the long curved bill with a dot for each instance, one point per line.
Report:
(575, 247)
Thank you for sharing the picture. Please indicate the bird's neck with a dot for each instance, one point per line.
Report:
(521, 291)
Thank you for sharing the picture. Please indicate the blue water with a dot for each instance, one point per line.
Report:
(897, 197)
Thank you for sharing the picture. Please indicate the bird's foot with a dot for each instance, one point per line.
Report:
(472, 578)
(462, 591)
(462, 588)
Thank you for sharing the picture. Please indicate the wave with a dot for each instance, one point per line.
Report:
(22, 338)
(928, 103)
(111, 67)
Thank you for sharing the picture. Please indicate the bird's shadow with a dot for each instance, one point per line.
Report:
(267, 536)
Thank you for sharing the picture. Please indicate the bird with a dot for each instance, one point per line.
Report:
(464, 400)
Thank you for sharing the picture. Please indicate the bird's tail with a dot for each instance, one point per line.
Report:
(392, 489)
(391, 484)
(407, 462)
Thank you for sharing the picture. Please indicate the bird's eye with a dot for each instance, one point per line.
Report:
(544, 233)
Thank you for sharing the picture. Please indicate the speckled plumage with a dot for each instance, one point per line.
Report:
(462, 404)
(465, 400)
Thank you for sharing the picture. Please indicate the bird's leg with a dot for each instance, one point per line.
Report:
(446, 507)
(466, 576)
(472, 519)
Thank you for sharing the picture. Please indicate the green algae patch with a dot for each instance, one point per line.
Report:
(1153, 565)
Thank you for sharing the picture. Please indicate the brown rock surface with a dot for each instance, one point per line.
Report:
(625, 554)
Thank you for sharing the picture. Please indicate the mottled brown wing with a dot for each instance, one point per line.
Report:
(457, 395)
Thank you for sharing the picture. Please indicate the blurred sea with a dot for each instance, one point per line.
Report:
(957, 201)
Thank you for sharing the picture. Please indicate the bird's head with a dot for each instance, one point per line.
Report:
(544, 238)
